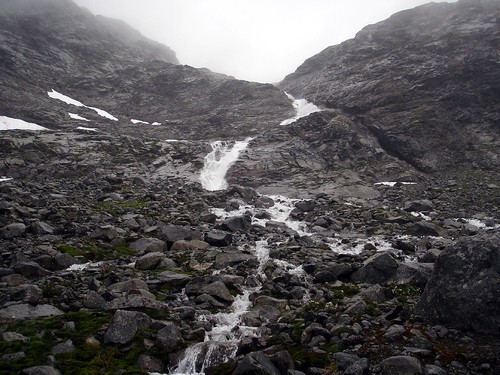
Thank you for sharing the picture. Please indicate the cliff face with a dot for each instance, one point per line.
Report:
(425, 83)
(55, 44)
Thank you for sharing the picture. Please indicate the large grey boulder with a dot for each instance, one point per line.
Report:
(377, 269)
(256, 363)
(401, 365)
(169, 338)
(464, 289)
(148, 245)
(12, 230)
(125, 325)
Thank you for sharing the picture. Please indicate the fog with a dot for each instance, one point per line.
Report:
(255, 40)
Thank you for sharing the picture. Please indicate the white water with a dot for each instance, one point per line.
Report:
(221, 343)
(218, 162)
(302, 107)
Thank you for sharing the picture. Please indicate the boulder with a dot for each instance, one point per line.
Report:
(218, 238)
(377, 269)
(106, 233)
(30, 269)
(419, 205)
(152, 261)
(424, 228)
(40, 228)
(464, 289)
(215, 289)
(401, 365)
(169, 338)
(12, 230)
(236, 223)
(27, 311)
(256, 363)
(148, 245)
(125, 325)
(125, 286)
(183, 245)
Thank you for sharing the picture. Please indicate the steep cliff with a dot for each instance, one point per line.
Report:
(424, 82)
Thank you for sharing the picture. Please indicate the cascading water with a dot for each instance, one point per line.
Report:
(302, 108)
(221, 343)
(218, 162)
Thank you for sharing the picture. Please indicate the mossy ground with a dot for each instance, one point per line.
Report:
(44, 334)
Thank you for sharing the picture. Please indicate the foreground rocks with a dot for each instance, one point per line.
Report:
(127, 269)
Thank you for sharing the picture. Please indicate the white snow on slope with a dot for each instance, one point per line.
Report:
(393, 183)
(66, 99)
(88, 129)
(77, 117)
(302, 107)
(134, 121)
(4, 179)
(9, 123)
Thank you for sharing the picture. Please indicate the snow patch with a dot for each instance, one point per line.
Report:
(302, 107)
(88, 129)
(9, 123)
(393, 183)
(77, 117)
(66, 99)
(3, 179)
(134, 121)
(156, 123)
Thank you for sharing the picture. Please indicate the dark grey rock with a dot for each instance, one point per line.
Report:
(30, 269)
(106, 233)
(152, 261)
(218, 238)
(256, 363)
(236, 223)
(12, 230)
(424, 228)
(418, 206)
(125, 325)
(148, 245)
(41, 228)
(127, 285)
(169, 338)
(401, 365)
(26, 311)
(64, 347)
(378, 269)
(149, 363)
(464, 289)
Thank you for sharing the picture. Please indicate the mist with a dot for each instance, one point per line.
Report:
(255, 40)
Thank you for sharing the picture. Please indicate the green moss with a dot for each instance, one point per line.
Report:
(45, 333)
(69, 250)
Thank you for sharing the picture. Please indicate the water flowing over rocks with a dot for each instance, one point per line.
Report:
(331, 250)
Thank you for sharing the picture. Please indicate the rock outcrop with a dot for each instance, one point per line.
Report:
(424, 83)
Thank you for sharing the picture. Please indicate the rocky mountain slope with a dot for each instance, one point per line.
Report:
(54, 44)
(116, 260)
(424, 83)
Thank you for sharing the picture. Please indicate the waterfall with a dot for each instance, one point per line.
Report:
(302, 108)
(218, 162)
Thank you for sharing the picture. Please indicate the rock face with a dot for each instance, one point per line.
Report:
(106, 64)
(424, 83)
(464, 290)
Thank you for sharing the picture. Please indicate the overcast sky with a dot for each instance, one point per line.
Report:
(255, 40)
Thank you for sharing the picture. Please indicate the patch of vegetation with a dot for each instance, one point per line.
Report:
(93, 251)
(117, 208)
(308, 358)
(405, 292)
(45, 333)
